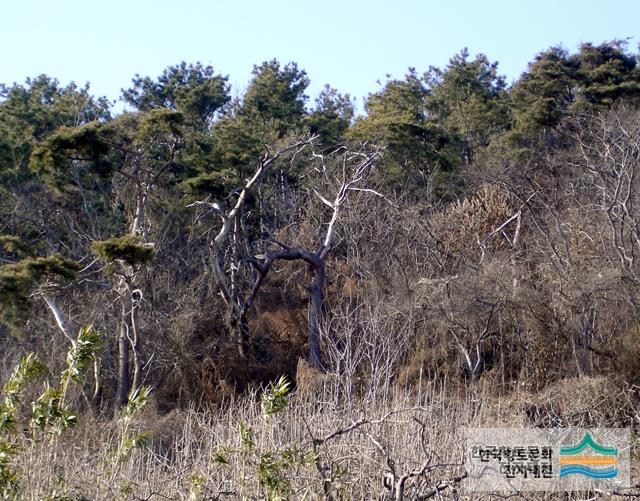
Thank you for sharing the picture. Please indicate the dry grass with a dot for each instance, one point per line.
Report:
(355, 448)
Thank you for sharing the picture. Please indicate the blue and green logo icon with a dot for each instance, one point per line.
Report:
(589, 458)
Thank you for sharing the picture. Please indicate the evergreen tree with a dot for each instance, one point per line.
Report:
(469, 100)
(22, 275)
(331, 117)
(556, 83)
(135, 154)
(28, 113)
(193, 89)
(545, 91)
(418, 147)
(606, 72)
(275, 100)
(272, 107)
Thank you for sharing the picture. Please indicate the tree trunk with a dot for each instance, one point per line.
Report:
(135, 350)
(315, 313)
(123, 383)
(242, 334)
(138, 218)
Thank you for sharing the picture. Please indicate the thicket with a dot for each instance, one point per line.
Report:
(461, 233)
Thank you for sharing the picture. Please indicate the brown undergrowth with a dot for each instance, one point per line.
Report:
(315, 447)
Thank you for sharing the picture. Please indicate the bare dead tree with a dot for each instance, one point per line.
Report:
(142, 174)
(609, 147)
(232, 230)
(332, 179)
(397, 480)
(353, 167)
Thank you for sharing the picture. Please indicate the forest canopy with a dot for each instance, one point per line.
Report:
(460, 227)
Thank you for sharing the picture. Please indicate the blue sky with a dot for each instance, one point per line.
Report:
(349, 44)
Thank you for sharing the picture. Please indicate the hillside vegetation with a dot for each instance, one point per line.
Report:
(271, 297)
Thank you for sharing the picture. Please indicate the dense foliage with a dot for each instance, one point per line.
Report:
(460, 228)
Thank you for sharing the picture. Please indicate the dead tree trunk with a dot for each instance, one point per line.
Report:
(345, 173)
(230, 226)
(315, 313)
(316, 259)
(315, 288)
(123, 382)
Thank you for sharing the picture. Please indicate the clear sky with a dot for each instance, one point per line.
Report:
(350, 44)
